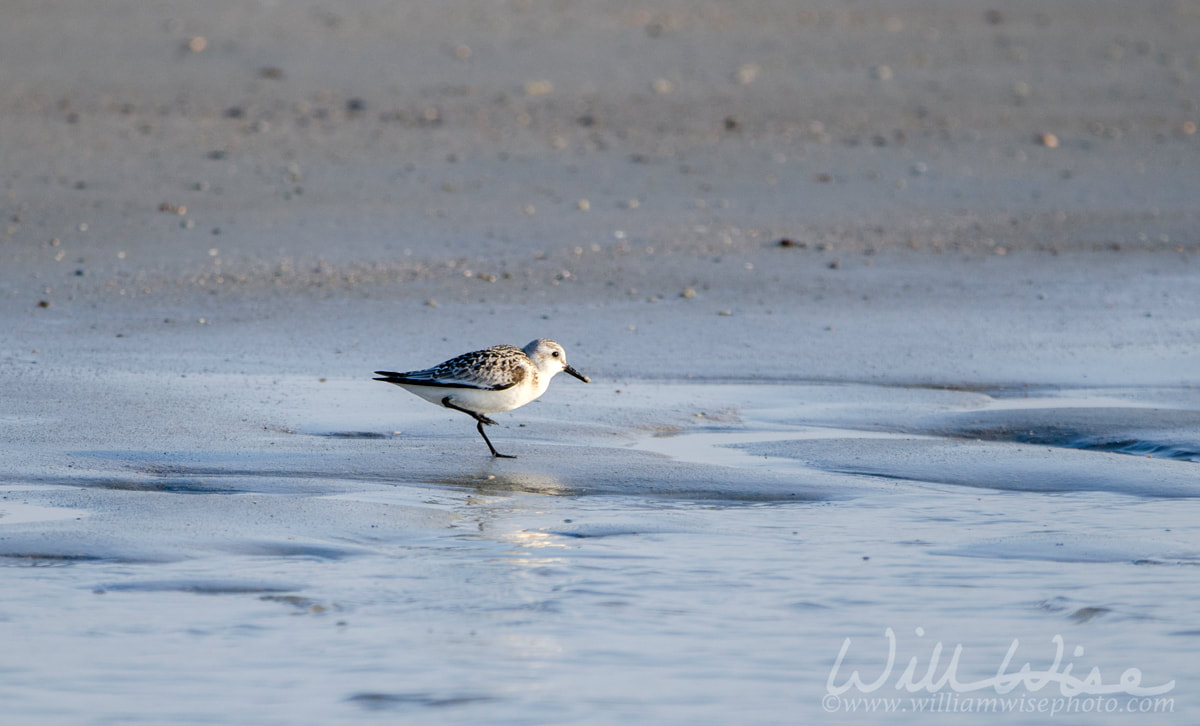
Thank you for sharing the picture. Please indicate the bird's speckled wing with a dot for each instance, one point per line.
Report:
(495, 369)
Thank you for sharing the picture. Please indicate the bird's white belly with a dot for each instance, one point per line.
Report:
(477, 400)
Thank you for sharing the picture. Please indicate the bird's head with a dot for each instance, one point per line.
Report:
(550, 358)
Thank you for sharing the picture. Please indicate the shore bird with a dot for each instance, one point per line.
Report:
(492, 380)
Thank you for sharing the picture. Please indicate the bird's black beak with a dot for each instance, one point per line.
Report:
(577, 374)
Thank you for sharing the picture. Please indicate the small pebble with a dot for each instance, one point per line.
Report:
(583, 205)
(197, 44)
(688, 293)
(725, 313)
(662, 86)
(1188, 127)
(538, 88)
(748, 73)
(1050, 141)
(882, 73)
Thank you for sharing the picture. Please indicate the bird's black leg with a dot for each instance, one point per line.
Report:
(449, 403)
(481, 419)
(495, 453)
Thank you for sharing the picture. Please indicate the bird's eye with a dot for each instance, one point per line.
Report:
(555, 354)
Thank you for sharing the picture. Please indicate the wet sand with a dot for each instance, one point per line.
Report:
(889, 311)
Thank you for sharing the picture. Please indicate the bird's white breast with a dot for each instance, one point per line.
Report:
(479, 400)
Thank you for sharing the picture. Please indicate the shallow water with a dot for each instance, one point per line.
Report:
(706, 566)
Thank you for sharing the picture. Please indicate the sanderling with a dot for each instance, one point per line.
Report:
(492, 380)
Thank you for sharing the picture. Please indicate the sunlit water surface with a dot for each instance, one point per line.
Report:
(269, 600)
